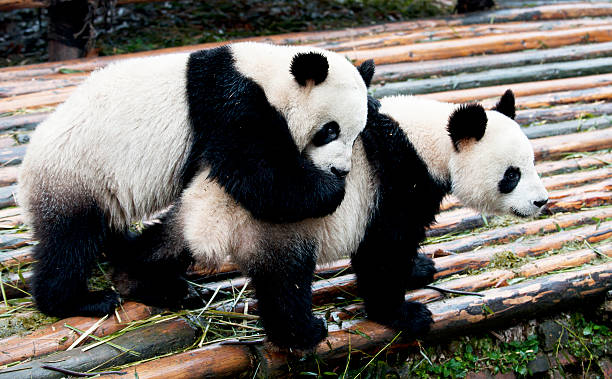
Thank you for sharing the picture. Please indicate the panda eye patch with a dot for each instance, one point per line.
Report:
(329, 132)
(511, 178)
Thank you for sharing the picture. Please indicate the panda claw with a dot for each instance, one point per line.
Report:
(422, 273)
(412, 318)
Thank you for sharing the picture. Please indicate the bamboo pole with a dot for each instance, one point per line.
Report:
(575, 163)
(25, 121)
(586, 95)
(502, 76)
(562, 113)
(56, 337)
(480, 45)
(556, 87)
(146, 342)
(454, 66)
(555, 147)
(567, 127)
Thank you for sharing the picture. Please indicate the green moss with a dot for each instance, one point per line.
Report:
(23, 323)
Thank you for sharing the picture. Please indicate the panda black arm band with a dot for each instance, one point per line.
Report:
(247, 145)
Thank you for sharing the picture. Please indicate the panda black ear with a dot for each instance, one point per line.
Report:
(309, 66)
(366, 70)
(506, 105)
(468, 121)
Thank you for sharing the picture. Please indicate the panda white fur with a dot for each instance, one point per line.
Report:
(411, 154)
(271, 125)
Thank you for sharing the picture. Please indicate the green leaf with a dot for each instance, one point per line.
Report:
(69, 71)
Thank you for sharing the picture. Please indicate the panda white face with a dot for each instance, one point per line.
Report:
(496, 173)
(323, 98)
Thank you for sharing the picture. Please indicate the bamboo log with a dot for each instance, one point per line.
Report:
(480, 45)
(460, 263)
(592, 199)
(510, 233)
(558, 98)
(10, 218)
(7, 196)
(16, 257)
(56, 337)
(25, 121)
(33, 85)
(562, 261)
(8, 175)
(35, 100)
(554, 147)
(576, 178)
(576, 162)
(446, 33)
(458, 315)
(146, 342)
(216, 361)
(561, 113)
(512, 75)
(567, 127)
(455, 66)
(524, 90)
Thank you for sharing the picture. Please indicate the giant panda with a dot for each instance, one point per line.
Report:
(272, 126)
(411, 154)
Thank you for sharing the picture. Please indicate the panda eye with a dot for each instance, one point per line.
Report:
(329, 132)
(511, 178)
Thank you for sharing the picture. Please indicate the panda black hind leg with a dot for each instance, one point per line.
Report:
(423, 271)
(150, 267)
(71, 232)
(282, 277)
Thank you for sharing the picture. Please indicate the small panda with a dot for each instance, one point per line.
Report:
(272, 126)
(411, 154)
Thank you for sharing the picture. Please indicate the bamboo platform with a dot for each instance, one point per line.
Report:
(557, 58)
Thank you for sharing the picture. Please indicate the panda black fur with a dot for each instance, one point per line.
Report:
(135, 134)
(411, 154)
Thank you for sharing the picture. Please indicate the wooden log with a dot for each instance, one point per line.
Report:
(10, 218)
(561, 113)
(16, 257)
(574, 163)
(576, 178)
(512, 75)
(56, 337)
(455, 66)
(21, 87)
(146, 342)
(446, 33)
(562, 194)
(216, 361)
(510, 233)
(461, 314)
(481, 45)
(558, 98)
(8, 175)
(562, 261)
(460, 263)
(35, 100)
(567, 127)
(7, 196)
(568, 204)
(22, 122)
(560, 87)
(554, 147)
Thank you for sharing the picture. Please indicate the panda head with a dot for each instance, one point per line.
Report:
(492, 165)
(321, 95)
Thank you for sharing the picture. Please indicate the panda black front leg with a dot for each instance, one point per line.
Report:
(381, 282)
(282, 277)
(71, 233)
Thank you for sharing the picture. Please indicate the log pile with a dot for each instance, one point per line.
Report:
(521, 268)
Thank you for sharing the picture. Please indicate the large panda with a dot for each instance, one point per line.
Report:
(411, 154)
(272, 126)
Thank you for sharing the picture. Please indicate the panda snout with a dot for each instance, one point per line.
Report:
(540, 203)
(339, 172)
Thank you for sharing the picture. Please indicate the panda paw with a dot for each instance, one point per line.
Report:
(100, 303)
(302, 340)
(422, 273)
(412, 318)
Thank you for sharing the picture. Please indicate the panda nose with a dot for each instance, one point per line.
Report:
(540, 203)
(339, 173)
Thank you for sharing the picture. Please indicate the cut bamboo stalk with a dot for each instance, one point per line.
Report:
(481, 45)
(460, 263)
(458, 315)
(455, 66)
(556, 87)
(146, 342)
(510, 233)
(575, 163)
(557, 146)
(216, 361)
(561, 113)
(562, 261)
(512, 75)
(56, 337)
